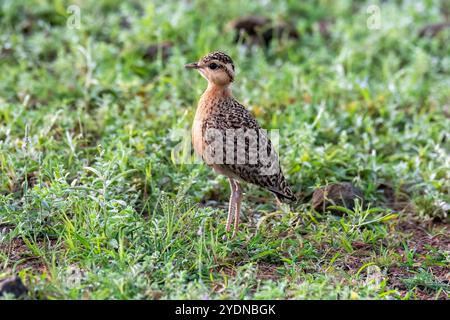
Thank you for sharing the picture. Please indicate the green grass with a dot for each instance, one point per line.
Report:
(93, 205)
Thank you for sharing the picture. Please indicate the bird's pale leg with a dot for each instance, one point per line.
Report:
(237, 212)
(231, 205)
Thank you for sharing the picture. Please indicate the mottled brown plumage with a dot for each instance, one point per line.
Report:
(229, 139)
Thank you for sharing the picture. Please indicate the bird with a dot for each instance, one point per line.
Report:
(229, 139)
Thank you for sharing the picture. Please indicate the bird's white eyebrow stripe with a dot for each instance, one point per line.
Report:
(228, 73)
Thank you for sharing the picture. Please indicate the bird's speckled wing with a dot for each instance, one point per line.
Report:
(237, 127)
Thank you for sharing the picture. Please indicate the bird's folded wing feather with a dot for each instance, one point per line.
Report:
(242, 149)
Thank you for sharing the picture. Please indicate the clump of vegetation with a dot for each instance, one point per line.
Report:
(94, 205)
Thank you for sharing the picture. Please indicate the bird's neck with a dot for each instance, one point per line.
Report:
(210, 100)
(215, 91)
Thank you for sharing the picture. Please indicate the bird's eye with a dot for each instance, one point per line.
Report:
(213, 66)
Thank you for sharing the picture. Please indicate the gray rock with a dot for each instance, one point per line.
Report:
(13, 286)
(260, 30)
(152, 51)
(338, 194)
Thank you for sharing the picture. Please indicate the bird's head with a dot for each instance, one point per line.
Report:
(216, 67)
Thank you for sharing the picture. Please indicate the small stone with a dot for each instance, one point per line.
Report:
(13, 286)
(152, 51)
(324, 28)
(433, 30)
(260, 30)
(125, 23)
(338, 194)
(250, 25)
(278, 31)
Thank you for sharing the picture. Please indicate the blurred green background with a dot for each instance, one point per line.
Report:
(94, 205)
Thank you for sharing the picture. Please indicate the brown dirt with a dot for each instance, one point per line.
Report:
(21, 257)
(18, 183)
(423, 238)
(267, 271)
(264, 271)
(397, 275)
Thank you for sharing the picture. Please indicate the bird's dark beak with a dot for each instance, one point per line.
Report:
(193, 65)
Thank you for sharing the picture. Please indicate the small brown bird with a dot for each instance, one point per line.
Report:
(228, 138)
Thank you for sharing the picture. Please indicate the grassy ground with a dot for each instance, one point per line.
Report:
(94, 205)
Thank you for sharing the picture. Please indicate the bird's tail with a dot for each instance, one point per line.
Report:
(288, 197)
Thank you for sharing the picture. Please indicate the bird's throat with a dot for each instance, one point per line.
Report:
(217, 91)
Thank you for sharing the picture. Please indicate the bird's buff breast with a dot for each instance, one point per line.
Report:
(205, 105)
(199, 147)
(197, 139)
